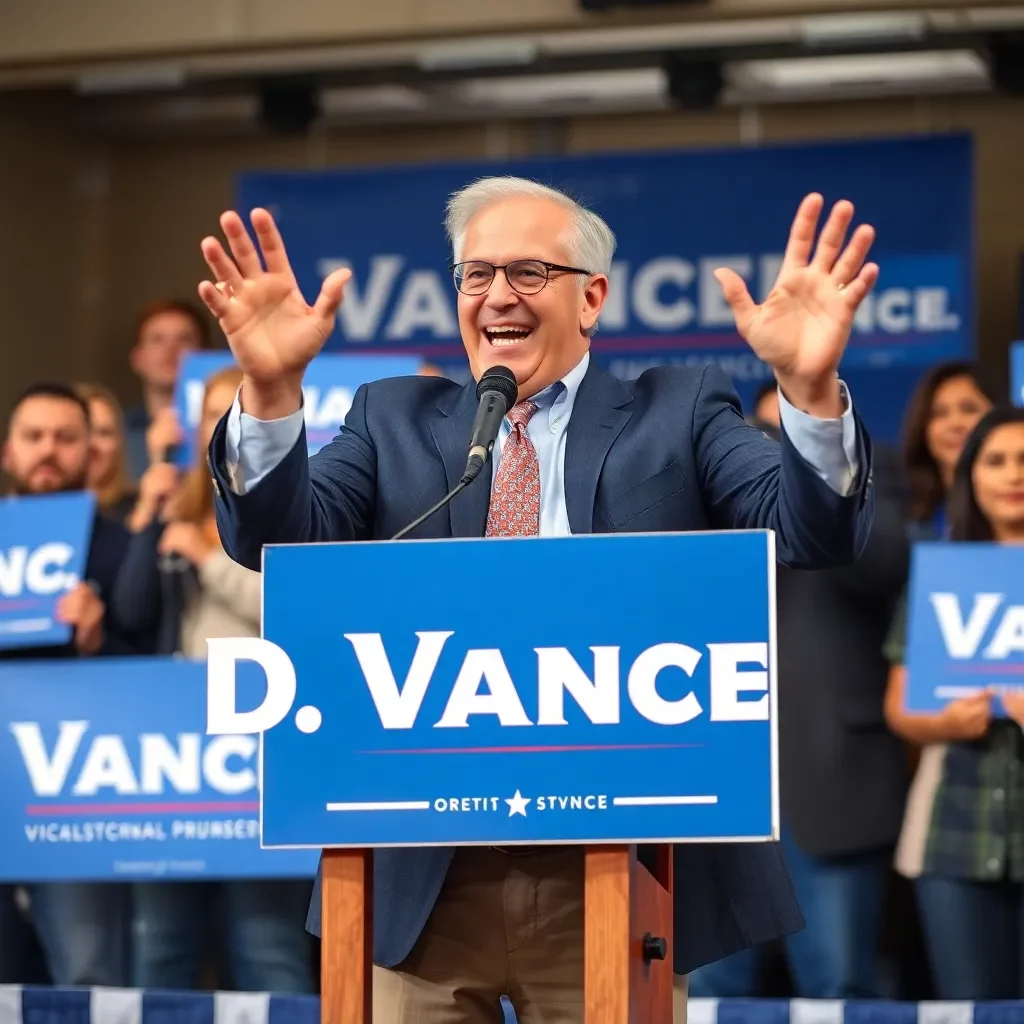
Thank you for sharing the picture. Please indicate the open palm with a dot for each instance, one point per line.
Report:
(802, 327)
(273, 332)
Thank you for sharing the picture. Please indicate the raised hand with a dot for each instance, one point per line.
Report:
(273, 332)
(802, 327)
(162, 434)
(157, 486)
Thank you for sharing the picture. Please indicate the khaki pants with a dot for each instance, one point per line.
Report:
(503, 923)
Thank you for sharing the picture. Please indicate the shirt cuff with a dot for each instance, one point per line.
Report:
(828, 446)
(253, 448)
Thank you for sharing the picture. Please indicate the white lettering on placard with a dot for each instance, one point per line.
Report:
(327, 410)
(396, 707)
(559, 673)
(728, 682)
(643, 684)
(484, 685)
(39, 570)
(159, 765)
(963, 636)
(323, 408)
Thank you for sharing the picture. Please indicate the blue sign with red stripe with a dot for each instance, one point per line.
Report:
(44, 551)
(625, 691)
(965, 628)
(677, 215)
(109, 775)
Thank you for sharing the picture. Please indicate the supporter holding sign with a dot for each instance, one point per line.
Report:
(42, 561)
(178, 581)
(963, 832)
(46, 453)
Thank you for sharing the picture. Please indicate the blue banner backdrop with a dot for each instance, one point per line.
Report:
(44, 549)
(109, 774)
(677, 216)
(965, 623)
(633, 700)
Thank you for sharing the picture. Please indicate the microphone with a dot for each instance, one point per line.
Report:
(496, 393)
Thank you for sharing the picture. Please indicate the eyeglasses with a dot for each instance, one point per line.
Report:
(527, 277)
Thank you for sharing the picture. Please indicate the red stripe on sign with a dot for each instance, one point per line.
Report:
(224, 806)
(988, 670)
(539, 750)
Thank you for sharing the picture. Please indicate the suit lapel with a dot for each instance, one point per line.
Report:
(599, 413)
(468, 510)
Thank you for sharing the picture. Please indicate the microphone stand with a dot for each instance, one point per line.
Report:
(496, 392)
(467, 478)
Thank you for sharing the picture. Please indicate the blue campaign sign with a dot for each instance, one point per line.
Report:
(1017, 372)
(108, 774)
(43, 555)
(328, 387)
(583, 689)
(965, 622)
(677, 216)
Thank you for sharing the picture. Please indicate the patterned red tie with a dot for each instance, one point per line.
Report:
(515, 498)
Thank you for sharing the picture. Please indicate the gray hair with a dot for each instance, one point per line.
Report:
(590, 246)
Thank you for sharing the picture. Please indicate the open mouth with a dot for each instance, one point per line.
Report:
(507, 336)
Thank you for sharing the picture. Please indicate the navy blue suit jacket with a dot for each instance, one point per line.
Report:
(669, 451)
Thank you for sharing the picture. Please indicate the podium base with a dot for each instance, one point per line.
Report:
(346, 950)
(627, 944)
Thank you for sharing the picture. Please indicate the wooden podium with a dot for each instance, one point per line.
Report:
(627, 950)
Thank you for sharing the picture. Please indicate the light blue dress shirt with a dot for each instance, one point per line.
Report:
(254, 447)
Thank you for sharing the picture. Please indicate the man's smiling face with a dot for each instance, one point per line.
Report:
(541, 336)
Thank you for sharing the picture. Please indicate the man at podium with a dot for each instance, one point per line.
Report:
(578, 452)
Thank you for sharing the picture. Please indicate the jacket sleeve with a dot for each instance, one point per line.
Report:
(882, 569)
(108, 554)
(135, 600)
(749, 482)
(329, 497)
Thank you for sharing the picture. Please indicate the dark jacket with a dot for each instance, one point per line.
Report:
(667, 452)
(843, 776)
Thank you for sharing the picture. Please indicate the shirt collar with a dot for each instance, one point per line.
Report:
(566, 388)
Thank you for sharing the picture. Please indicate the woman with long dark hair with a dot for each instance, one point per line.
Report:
(946, 404)
(963, 831)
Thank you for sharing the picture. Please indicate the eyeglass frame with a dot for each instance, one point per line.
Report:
(495, 267)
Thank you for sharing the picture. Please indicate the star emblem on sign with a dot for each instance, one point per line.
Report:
(517, 804)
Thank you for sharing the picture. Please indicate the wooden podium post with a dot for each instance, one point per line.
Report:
(627, 937)
(346, 937)
(627, 945)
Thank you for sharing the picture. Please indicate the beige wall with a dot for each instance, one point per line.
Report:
(93, 231)
(38, 242)
(45, 33)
